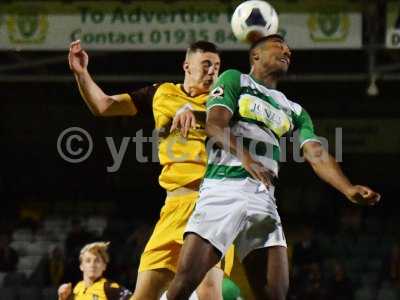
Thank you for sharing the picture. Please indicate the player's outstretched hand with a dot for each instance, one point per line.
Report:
(77, 58)
(184, 121)
(64, 291)
(363, 195)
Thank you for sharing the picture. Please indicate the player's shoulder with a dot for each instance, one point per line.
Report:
(286, 103)
(295, 107)
(168, 86)
(230, 74)
(112, 284)
(80, 286)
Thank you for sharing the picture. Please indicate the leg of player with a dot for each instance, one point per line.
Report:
(196, 258)
(193, 296)
(151, 284)
(209, 289)
(211, 286)
(274, 282)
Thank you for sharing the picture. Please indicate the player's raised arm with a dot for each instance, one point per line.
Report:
(326, 167)
(98, 102)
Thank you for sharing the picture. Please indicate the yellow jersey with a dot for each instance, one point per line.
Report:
(102, 289)
(183, 159)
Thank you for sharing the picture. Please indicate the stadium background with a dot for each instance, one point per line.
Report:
(51, 207)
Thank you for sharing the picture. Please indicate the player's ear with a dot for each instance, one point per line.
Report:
(185, 66)
(255, 54)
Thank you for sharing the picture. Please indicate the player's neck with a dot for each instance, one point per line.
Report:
(88, 281)
(270, 80)
(190, 90)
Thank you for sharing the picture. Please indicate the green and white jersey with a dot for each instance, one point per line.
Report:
(261, 116)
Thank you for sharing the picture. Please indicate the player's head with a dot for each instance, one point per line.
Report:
(271, 54)
(93, 260)
(201, 65)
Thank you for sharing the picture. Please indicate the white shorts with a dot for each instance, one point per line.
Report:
(239, 211)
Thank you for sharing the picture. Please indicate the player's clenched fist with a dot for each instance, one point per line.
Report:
(64, 291)
(363, 195)
(77, 58)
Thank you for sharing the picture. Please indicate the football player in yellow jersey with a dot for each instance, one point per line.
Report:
(183, 160)
(93, 260)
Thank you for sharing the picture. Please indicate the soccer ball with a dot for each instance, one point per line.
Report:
(254, 19)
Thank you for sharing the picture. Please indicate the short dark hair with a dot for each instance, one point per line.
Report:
(261, 41)
(202, 46)
(266, 38)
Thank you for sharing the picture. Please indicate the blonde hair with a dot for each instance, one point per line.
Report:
(96, 248)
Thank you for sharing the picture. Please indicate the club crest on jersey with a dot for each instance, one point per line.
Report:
(218, 92)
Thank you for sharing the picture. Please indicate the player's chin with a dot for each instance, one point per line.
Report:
(281, 71)
(207, 85)
(284, 67)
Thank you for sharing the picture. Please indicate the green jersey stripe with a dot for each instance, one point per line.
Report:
(220, 104)
(261, 148)
(221, 171)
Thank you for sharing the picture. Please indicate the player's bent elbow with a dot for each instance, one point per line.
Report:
(103, 107)
(100, 112)
(314, 152)
(96, 113)
(117, 105)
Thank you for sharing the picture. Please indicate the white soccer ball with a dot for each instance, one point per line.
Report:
(254, 19)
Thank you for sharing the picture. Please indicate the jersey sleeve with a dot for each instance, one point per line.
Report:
(305, 127)
(143, 98)
(226, 91)
(114, 291)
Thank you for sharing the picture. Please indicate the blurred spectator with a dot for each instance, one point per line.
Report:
(387, 292)
(139, 238)
(312, 287)
(76, 239)
(50, 271)
(132, 250)
(341, 288)
(56, 266)
(14, 279)
(306, 277)
(395, 265)
(306, 252)
(8, 256)
(351, 220)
